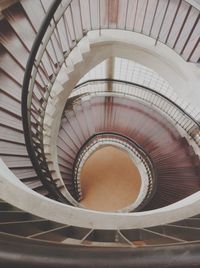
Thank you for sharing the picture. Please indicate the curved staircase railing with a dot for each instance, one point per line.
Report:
(50, 244)
(91, 99)
(125, 143)
(33, 124)
(149, 95)
(65, 24)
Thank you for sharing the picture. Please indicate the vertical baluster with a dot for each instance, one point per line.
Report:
(145, 12)
(190, 34)
(172, 24)
(99, 17)
(58, 39)
(193, 50)
(90, 15)
(182, 26)
(73, 25)
(154, 15)
(117, 14)
(135, 15)
(81, 18)
(126, 14)
(162, 22)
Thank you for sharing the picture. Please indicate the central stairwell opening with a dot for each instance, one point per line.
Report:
(109, 180)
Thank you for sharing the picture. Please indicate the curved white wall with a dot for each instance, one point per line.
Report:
(183, 77)
(16, 193)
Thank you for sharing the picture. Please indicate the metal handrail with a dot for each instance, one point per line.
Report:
(39, 78)
(138, 85)
(36, 254)
(50, 185)
(149, 90)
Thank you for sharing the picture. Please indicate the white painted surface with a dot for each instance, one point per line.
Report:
(183, 77)
(16, 193)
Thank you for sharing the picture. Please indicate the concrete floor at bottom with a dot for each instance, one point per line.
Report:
(109, 180)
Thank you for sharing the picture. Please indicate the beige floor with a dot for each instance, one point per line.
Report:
(109, 180)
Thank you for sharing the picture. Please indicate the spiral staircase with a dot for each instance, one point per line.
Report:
(70, 87)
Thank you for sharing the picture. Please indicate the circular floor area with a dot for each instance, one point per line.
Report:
(109, 180)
